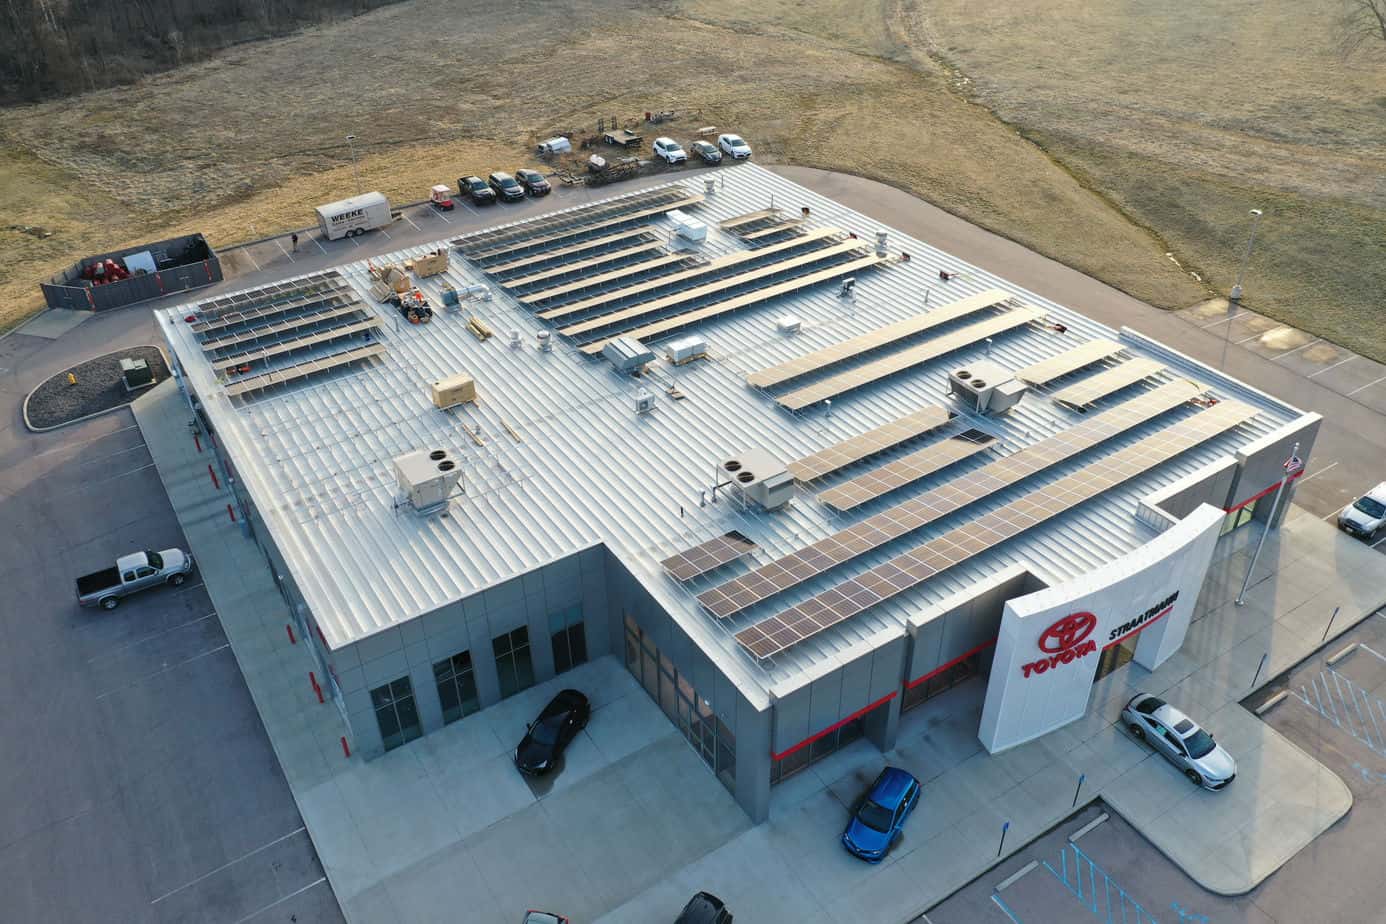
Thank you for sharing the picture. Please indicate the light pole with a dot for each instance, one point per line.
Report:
(351, 140)
(1237, 289)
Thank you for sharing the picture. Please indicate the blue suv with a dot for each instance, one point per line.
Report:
(881, 814)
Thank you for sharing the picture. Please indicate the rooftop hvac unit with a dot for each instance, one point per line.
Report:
(759, 478)
(986, 387)
(644, 401)
(135, 373)
(627, 355)
(427, 478)
(685, 349)
(789, 324)
(688, 227)
(454, 390)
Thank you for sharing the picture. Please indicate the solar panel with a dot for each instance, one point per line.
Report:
(567, 269)
(1081, 394)
(303, 369)
(645, 309)
(905, 517)
(265, 294)
(874, 340)
(592, 244)
(907, 358)
(587, 282)
(568, 218)
(712, 266)
(299, 343)
(708, 556)
(840, 455)
(576, 229)
(1084, 354)
(340, 305)
(259, 307)
(659, 328)
(778, 228)
(895, 475)
(910, 569)
(739, 220)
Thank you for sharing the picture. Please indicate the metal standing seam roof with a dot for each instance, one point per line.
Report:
(316, 455)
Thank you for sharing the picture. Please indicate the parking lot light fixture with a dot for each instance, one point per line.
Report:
(1251, 241)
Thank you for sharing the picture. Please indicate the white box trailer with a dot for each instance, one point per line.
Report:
(354, 216)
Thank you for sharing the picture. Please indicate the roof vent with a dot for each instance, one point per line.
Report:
(545, 341)
(881, 243)
(758, 478)
(986, 387)
(644, 401)
(426, 478)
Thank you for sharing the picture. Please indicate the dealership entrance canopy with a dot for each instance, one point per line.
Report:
(797, 470)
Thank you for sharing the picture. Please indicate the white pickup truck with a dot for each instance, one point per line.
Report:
(131, 574)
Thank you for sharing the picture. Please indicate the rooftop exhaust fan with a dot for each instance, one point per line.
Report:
(427, 478)
(756, 477)
(986, 387)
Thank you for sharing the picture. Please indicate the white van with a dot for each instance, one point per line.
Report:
(354, 216)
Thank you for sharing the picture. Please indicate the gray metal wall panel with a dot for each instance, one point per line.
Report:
(924, 653)
(887, 667)
(856, 684)
(825, 702)
(792, 720)
(1215, 489)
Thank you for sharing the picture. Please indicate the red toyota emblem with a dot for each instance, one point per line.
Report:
(1067, 632)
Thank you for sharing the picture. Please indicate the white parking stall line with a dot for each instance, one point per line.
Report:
(467, 207)
(1366, 386)
(320, 247)
(1320, 471)
(283, 251)
(1298, 348)
(132, 471)
(296, 892)
(1334, 366)
(442, 216)
(384, 232)
(252, 258)
(300, 829)
(411, 221)
(165, 670)
(1227, 320)
(1378, 542)
(146, 638)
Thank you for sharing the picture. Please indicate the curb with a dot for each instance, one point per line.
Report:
(66, 423)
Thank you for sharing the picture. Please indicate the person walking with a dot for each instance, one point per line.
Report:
(294, 238)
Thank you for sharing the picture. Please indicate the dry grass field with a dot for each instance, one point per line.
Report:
(1187, 116)
(246, 143)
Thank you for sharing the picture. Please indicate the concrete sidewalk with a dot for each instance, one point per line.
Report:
(444, 823)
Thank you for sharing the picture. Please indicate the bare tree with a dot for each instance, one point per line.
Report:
(1362, 26)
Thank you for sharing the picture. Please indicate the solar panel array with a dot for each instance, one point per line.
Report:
(1084, 354)
(1092, 389)
(907, 358)
(749, 589)
(709, 268)
(874, 340)
(572, 227)
(633, 234)
(629, 271)
(606, 256)
(708, 556)
(645, 309)
(840, 455)
(662, 327)
(483, 244)
(779, 227)
(325, 335)
(267, 302)
(737, 221)
(336, 307)
(909, 569)
(304, 369)
(917, 465)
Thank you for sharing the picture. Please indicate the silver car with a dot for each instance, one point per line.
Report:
(1181, 740)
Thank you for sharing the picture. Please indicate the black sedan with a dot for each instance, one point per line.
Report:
(533, 181)
(547, 736)
(506, 187)
(476, 188)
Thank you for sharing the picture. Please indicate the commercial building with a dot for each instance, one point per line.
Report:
(798, 471)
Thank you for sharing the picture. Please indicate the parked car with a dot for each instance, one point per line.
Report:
(543, 917)
(131, 574)
(707, 151)
(670, 151)
(506, 186)
(880, 816)
(476, 188)
(1366, 516)
(704, 908)
(548, 735)
(533, 181)
(734, 146)
(1181, 741)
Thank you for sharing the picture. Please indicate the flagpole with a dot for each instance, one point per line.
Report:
(1292, 467)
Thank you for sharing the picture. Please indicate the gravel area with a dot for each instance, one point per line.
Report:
(99, 389)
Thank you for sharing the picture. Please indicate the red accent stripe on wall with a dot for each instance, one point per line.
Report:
(834, 727)
(943, 667)
(1255, 497)
(1145, 625)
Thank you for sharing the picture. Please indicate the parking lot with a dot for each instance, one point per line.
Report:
(139, 783)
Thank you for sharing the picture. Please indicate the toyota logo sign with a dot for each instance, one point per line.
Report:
(1064, 642)
(1067, 632)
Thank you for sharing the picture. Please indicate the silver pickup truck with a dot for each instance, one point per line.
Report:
(132, 573)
